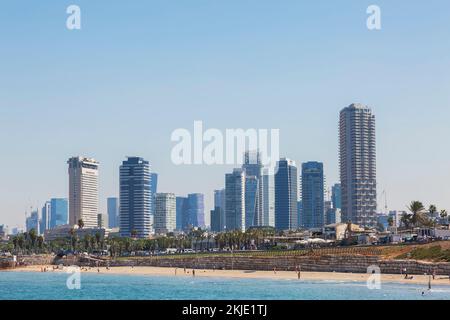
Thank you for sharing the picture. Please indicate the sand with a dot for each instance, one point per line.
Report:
(284, 275)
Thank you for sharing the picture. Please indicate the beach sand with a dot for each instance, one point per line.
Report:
(241, 274)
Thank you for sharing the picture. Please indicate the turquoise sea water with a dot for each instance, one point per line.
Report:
(35, 286)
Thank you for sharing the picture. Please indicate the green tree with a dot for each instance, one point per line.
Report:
(391, 221)
(80, 223)
(418, 217)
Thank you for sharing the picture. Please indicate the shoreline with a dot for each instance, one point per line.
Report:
(244, 274)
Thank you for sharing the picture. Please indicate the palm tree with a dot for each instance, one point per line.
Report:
(80, 223)
(406, 220)
(432, 210)
(33, 236)
(390, 221)
(418, 213)
(444, 214)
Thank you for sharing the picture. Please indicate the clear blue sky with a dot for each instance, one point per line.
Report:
(140, 69)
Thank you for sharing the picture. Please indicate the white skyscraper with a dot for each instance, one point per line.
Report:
(358, 165)
(83, 191)
(268, 199)
(165, 213)
(235, 200)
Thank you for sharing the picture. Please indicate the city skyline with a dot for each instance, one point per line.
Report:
(292, 66)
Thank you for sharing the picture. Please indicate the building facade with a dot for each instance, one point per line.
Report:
(219, 208)
(254, 203)
(286, 194)
(268, 199)
(32, 222)
(59, 208)
(45, 217)
(235, 200)
(182, 218)
(135, 198)
(113, 207)
(83, 191)
(313, 195)
(336, 196)
(165, 213)
(196, 210)
(357, 155)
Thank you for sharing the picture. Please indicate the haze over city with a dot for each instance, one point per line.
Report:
(135, 73)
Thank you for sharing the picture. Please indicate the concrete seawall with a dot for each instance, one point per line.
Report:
(329, 263)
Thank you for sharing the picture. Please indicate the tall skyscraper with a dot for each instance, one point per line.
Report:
(235, 200)
(358, 165)
(102, 221)
(113, 212)
(300, 213)
(196, 210)
(251, 201)
(83, 191)
(32, 222)
(312, 195)
(219, 210)
(182, 217)
(59, 212)
(153, 189)
(135, 198)
(215, 215)
(254, 192)
(286, 194)
(165, 213)
(45, 217)
(268, 199)
(330, 213)
(336, 196)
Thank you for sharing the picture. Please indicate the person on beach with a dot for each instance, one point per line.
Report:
(175, 271)
(193, 272)
(184, 269)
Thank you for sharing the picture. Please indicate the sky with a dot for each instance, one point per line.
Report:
(138, 70)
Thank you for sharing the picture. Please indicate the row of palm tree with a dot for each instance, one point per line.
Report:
(418, 216)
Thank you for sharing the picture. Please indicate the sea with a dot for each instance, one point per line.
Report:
(59, 286)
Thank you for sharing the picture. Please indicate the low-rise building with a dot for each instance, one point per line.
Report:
(66, 232)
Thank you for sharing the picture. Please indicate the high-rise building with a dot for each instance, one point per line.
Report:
(358, 165)
(165, 213)
(59, 212)
(135, 198)
(83, 191)
(268, 200)
(32, 222)
(251, 201)
(254, 194)
(286, 195)
(300, 213)
(45, 217)
(336, 196)
(102, 221)
(312, 195)
(330, 213)
(215, 216)
(196, 210)
(219, 209)
(235, 200)
(153, 189)
(112, 206)
(182, 217)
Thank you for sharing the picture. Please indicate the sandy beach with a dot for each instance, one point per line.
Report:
(283, 275)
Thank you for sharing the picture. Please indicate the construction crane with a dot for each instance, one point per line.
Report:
(385, 201)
